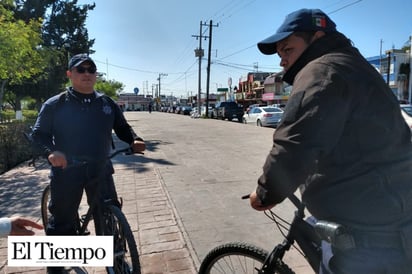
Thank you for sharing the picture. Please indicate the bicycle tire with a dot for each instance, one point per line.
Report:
(126, 256)
(238, 258)
(45, 199)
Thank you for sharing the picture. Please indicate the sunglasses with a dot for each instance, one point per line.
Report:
(82, 70)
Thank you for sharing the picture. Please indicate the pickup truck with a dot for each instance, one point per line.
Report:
(228, 110)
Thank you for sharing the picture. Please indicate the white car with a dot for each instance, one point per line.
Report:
(195, 114)
(263, 116)
(407, 114)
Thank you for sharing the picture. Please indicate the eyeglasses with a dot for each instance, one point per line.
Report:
(82, 70)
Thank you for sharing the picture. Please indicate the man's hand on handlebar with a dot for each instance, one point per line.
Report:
(256, 203)
(138, 146)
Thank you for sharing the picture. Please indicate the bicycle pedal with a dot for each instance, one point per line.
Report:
(85, 233)
(83, 217)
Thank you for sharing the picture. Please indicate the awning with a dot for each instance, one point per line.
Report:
(268, 96)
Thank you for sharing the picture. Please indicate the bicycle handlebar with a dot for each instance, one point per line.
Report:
(295, 200)
(74, 161)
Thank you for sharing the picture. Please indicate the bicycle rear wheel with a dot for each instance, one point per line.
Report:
(45, 200)
(238, 258)
(126, 256)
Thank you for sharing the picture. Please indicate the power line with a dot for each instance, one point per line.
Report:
(348, 5)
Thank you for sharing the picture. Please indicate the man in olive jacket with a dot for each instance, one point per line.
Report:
(343, 137)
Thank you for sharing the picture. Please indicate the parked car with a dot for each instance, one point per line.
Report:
(194, 113)
(263, 116)
(407, 114)
(185, 110)
(227, 110)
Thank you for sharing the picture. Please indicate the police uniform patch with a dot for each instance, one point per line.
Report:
(107, 109)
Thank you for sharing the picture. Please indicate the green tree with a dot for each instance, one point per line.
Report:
(20, 58)
(110, 88)
(63, 35)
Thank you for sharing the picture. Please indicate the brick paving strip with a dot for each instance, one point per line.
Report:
(163, 244)
(163, 248)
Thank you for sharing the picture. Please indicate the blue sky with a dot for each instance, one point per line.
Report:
(137, 40)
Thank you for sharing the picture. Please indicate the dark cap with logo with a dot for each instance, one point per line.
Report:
(305, 20)
(78, 59)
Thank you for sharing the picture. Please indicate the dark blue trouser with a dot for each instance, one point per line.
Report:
(370, 261)
(67, 187)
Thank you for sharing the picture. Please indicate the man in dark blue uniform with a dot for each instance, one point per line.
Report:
(78, 124)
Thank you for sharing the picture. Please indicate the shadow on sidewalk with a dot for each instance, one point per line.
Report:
(21, 189)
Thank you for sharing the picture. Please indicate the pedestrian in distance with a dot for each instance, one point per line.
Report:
(342, 139)
(78, 124)
(17, 226)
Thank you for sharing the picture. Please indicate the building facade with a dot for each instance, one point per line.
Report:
(250, 89)
(394, 66)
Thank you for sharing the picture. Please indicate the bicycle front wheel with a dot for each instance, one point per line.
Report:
(125, 257)
(233, 258)
(239, 258)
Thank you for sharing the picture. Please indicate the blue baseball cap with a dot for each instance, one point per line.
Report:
(306, 20)
(78, 59)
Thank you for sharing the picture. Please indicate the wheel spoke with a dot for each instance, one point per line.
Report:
(125, 259)
(233, 258)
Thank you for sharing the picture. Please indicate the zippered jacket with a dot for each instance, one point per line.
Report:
(80, 125)
(343, 138)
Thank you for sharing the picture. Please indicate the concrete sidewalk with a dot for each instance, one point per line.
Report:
(161, 242)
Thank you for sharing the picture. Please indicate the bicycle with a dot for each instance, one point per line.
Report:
(35, 152)
(108, 220)
(239, 257)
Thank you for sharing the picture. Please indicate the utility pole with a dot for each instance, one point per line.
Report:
(199, 53)
(208, 66)
(256, 66)
(410, 71)
(380, 57)
(388, 71)
(160, 77)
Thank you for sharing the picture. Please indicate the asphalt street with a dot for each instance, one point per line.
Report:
(206, 165)
(182, 197)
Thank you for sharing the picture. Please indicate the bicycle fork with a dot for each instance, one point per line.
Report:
(274, 258)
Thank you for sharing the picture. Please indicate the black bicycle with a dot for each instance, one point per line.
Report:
(239, 257)
(108, 220)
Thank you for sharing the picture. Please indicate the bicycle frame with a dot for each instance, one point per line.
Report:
(303, 234)
(108, 220)
(96, 202)
(85, 219)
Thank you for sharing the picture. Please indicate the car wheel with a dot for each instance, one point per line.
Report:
(259, 123)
